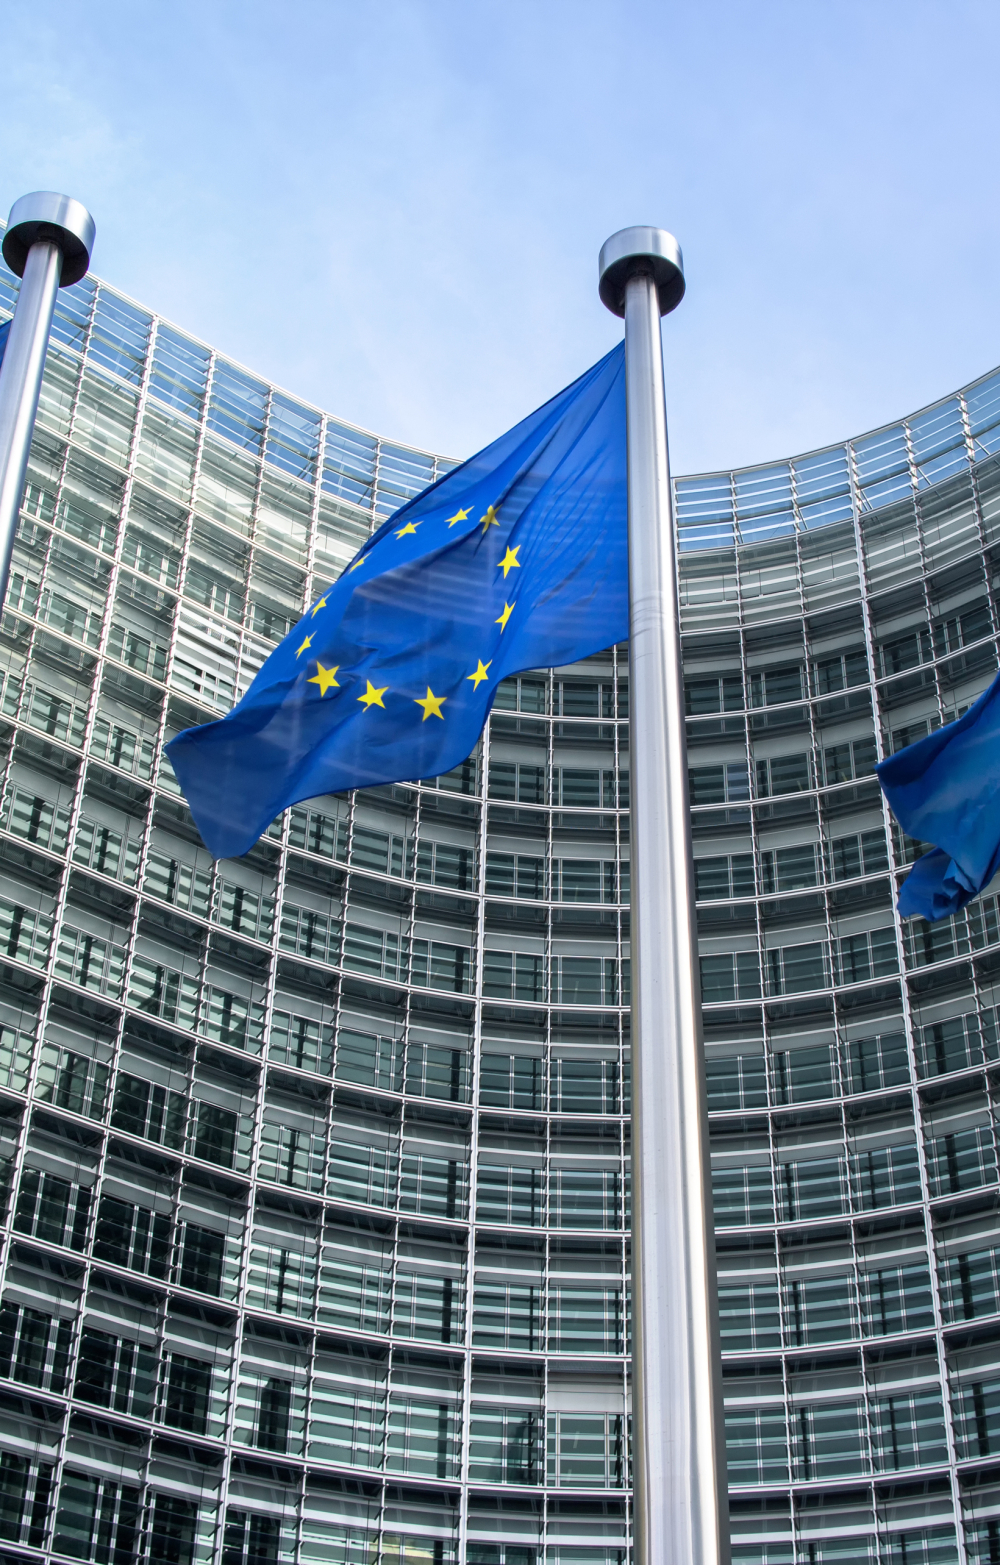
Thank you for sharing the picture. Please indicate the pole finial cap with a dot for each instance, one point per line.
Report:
(634, 250)
(47, 216)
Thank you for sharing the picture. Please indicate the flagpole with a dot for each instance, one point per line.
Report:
(48, 244)
(678, 1453)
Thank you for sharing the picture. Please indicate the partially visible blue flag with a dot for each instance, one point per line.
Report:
(517, 559)
(4, 334)
(945, 789)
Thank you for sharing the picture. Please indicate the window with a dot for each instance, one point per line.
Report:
(733, 976)
(799, 1075)
(896, 1298)
(433, 1186)
(510, 1195)
(865, 854)
(709, 693)
(718, 879)
(961, 1160)
(789, 869)
(508, 1315)
(301, 1042)
(773, 686)
(866, 956)
(971, 1284)
(96, 1520)
(727, 784)
(885, 1176)
(428, 1308)
(843, 762)
(292, 1156)
(115, 1373)
(839, 673)
(828, 1441)
(189, 1385)
(586, 1319)
(909, 1431)
(952, 1045)
(756, 1446)
(215, 1136)
(354, 1295)
(749, 1316)
(520, 783)
(509, 975)
(281, 1280)
(797, 969)
(812, 1187)
(741, 1196)
(172, 1531)
(881, 1061)
(435, 965)
(976, 1410)
(34, 1349)
(318, 833)
(202, 1256)
(524, 694)
(132, 1236)
(51, 1208)
(515, 875)
(586, 1450)
(383, 853)
(738, 1081)
(585, 1198)
(445, 864)
(250, 1538)
(820, 1309)
(422, 1437)
(143, 1109)
(783, 774)
(180, 884)
(511, 1081)
(505, 1445)
(370, 1060)
(71, 1081)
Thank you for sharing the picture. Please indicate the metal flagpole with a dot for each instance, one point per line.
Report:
(48, 243)
(678, 1454)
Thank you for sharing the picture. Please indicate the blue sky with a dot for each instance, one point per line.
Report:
(394, 207)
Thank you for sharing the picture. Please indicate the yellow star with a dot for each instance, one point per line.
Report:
(320, 605)
(508, 610)
(324, 678)
(482, 672)
(373, 697)
(510, 561)
(409, 528)
(306, 643)
(490, 519)
(431, 704)
(354, 567)
(459, 516)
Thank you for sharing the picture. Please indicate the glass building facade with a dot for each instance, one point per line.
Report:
(315, 1164)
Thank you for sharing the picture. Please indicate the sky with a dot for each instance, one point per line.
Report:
(394, 208)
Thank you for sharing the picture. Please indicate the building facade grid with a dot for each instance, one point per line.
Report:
(315, 1163)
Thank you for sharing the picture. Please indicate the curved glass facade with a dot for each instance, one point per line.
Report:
(315, 1180)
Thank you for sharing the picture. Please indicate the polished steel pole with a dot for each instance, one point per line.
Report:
(678, 1454)
(48, 243)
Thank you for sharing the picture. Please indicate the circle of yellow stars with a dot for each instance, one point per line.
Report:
(431, 704)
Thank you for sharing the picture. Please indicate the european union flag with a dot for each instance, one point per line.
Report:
(517, 559)
(945, 789)
(4, 334)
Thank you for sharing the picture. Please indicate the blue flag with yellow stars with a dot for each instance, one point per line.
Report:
(517, 559)
(945, 790)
